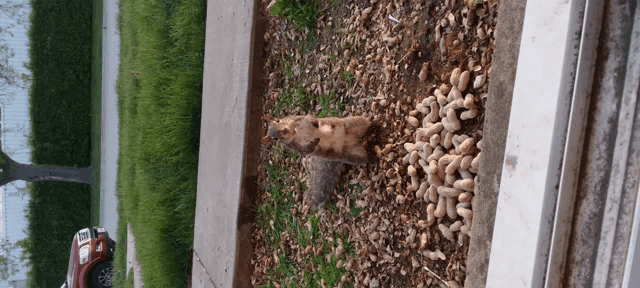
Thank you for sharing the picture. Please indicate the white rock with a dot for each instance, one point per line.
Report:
(479, 81)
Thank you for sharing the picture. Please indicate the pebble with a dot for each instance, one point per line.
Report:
(479, 81)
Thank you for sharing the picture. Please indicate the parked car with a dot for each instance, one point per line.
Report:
(91, 259)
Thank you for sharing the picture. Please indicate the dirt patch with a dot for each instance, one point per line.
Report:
(360, 62)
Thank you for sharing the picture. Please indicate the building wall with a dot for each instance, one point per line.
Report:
(14, 128)
(18, 283)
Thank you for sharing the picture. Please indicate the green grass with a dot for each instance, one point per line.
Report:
(96, 108)
(348, 77)
(120, 261)
(303, 12)
(159, 102)
(60, 40)
(331, 106)
(275, 216)
(129, 283)
(291, 99)
(308, 44)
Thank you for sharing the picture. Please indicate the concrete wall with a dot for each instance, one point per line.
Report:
(591, 220)
(496, 123)
(595, 230)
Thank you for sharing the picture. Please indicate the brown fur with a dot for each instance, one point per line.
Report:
(334, 138)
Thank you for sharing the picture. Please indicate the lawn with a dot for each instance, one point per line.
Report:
(159, 102)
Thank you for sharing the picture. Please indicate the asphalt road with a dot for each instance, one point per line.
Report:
(109, 119)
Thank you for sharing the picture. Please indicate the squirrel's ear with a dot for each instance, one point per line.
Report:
(265, 139)
(269, 118)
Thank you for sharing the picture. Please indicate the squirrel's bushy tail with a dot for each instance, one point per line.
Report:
(322, 177)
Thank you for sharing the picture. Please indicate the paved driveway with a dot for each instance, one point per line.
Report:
(109, 127)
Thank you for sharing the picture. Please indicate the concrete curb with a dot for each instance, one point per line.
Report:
(229, 144)
(496, 123)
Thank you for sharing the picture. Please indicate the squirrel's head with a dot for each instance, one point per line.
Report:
(279, 129)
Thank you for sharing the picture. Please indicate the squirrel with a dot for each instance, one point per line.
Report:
(330, 144)
(331, 138)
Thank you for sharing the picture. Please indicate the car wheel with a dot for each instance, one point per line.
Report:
(112, 248)
(102, 275)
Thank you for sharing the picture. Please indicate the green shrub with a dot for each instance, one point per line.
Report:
(60, 38)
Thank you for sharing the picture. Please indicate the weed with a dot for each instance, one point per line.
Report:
(330, 106)
(348, 77)
(355, 211)
(284, 101)
(304, 99)
(290, 100)
(315, 229)
(327, 270)
(335, 5)
(303, 12)
(309, 43)
(288, 72)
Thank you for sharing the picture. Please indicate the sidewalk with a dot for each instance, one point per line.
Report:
(109, 118)
(132, 260)
(230, 133)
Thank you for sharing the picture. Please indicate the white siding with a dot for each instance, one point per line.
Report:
(14, 123)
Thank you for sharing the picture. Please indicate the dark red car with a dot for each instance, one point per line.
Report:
(91, 259)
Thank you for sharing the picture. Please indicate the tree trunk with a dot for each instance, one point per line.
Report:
(35, 173)
(11, 171)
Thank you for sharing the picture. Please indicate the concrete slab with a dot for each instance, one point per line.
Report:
(109, 118)
(230, 135)
(132, 260)
(632, 269)
(496, 123)
(537, 127)
(617, 217)
(598, 168)
(608, 174)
